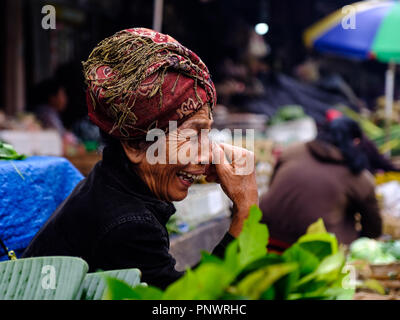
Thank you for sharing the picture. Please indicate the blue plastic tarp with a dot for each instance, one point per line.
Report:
(30, 191)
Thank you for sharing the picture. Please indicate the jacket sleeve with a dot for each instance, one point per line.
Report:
(139, 244)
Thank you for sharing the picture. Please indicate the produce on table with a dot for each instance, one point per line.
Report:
(379, 116)
(287, 113)
(312, 268)
(375, 252)
(392, 247)
(370, 129)
(384, 177)
(23, 121)
(7, 152)
(377, 268)
(376, 133)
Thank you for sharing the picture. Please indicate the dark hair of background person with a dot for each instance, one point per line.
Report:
(341, 133)
(71, 76)
(43, 91)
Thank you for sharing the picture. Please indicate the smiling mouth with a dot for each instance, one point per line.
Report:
(188, 178)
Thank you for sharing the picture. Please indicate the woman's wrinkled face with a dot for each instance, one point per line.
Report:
(171, 180)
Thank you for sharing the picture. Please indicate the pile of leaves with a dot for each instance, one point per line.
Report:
(7, 152)
(310, 269)
(375, 252)
(377, 134)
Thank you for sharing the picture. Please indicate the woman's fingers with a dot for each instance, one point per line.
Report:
(241, 160)
(238, 184)
(222, 163)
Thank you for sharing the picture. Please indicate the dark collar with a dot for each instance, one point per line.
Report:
(118, 167)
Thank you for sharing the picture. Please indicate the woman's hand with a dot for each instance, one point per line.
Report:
(233, 168)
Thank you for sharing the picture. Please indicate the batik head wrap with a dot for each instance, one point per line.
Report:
(139, 79)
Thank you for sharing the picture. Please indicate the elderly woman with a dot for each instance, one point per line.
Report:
(139, 80)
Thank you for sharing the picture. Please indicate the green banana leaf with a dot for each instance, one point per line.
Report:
(94, 284)
(41, 278)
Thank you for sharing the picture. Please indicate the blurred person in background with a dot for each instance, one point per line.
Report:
(50, 101)
(324, 178)
(239, 74)
(314, 73)
(75, 119)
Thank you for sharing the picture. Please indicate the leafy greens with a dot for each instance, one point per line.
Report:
(310, 269)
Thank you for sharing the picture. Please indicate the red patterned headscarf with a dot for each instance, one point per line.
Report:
(139, 79)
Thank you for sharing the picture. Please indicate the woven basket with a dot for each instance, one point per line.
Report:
(373, 296)
(391, 225)
(386, 272)
(388, 275)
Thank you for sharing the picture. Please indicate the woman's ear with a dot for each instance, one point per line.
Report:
(136, 156)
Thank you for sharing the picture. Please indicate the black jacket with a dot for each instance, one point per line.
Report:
(113, 221)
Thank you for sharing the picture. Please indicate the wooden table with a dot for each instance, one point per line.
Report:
(85, 163)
